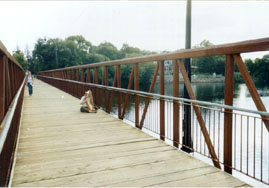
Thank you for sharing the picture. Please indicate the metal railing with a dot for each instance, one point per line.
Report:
(220, 132)
(12, 82)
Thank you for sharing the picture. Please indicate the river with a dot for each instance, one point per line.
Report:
(214, 92)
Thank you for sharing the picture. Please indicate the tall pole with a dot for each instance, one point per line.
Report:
(187, 141)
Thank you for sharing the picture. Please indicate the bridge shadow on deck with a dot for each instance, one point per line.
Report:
(59, 146)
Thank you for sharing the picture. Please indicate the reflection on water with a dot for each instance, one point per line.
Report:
(214, 92)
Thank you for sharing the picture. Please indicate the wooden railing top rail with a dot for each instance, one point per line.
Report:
(3, 51)
(230, 48)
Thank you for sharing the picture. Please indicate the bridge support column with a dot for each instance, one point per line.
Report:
(162, 102)
(175, 104)
(228, 116)
(119, 93)
(136, 87)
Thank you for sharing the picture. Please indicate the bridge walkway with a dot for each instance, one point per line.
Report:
(59, 146)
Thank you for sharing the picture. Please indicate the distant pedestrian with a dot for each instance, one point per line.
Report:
(30, 82)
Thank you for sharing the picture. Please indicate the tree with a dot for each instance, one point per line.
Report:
(109, 50)
(19, 56)
(259, 70)
(210, 64)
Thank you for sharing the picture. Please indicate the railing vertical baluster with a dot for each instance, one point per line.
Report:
(74, 74)
(112, 91)
(136, 87)
(228, 116)
(106, 83)
(82, 75)
(77, 75)
(175, 104)
(162, 107)
(96, 89)
(119, 93)
(127, 94)
(2, 87)
(89, 77)
(8, 84)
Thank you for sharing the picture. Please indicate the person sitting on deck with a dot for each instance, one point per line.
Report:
(86, 103)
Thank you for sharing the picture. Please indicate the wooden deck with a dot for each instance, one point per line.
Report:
(59, 146)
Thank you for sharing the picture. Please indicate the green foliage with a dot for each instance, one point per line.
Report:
(259, 69)
(95, 58)
(238, 78)
(146, 71)
(76, 50)
(109, 50)
(211, 64)
(19, 56)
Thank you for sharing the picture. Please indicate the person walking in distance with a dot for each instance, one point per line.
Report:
(30, 82)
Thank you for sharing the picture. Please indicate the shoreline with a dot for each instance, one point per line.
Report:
(197, 79)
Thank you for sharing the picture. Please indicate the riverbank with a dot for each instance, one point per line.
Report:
(198, 78)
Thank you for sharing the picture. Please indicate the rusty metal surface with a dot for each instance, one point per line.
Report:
(12, 83)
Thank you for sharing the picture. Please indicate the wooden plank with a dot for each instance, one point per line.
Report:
(2, 88)
(136, 87)
(228, 116)
(251, 87)
(162, 102)
(116, 175)
(74, 167)
(130, 83)
(204, 180)
(199, 115)
(175, 104)
(115, 149)
(152, 84)
(231, 48)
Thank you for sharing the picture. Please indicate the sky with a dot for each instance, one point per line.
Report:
(149, 25)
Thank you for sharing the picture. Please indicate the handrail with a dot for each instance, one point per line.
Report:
(9, 116)
(165, 97)
(231, 48)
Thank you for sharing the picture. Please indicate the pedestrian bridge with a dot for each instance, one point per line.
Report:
(60, 146)
(136, 137)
